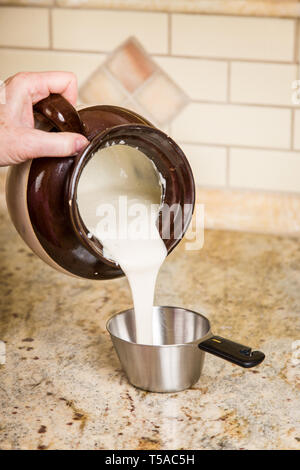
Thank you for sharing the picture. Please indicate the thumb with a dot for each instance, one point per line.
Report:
(33, 143)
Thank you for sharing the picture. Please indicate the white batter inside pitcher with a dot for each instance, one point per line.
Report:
(119, 195)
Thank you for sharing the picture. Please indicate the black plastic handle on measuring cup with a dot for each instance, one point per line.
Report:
(230, 351)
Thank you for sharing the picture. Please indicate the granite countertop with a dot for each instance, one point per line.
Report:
(62, 386)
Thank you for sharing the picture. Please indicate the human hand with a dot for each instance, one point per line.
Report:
(19, 141)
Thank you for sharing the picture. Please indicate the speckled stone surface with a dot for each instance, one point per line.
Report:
(62, 386)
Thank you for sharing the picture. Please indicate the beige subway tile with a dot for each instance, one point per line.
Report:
(264, 169)
(233, 37)
(200, 79)
(24, 27)
(262, 83)
(13, 61)
(104, 30)
(208, 164)
(234, 124)
(297, 130)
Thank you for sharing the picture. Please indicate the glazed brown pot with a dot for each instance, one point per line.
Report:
(41, 193)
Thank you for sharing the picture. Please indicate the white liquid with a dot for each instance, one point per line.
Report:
(128, 230)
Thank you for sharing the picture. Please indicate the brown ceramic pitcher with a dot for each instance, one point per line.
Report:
(42, 193)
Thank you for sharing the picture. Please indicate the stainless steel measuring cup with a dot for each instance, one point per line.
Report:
(174, 362)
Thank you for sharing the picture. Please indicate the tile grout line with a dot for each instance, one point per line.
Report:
(296, 42)
(24, 5)
(292, 128)
(264, 190)
(227, 166)
(50, 29)
(228, 81)
(169, 34)
(239, 103)
(157, 54)
(227, 182)
(232, 59)
(296, 60)
(235, 189)
(235, 146)
(252, 190)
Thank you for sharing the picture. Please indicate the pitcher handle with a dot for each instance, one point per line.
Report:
(56, 111)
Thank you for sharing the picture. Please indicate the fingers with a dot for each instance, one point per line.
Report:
(32, 143)
(19, 141)
(53, 144)
(39, 85)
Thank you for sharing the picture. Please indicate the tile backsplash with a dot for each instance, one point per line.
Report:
(240, 129)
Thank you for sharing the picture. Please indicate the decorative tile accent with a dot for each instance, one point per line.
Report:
(134, 106)
(296, 142)
(130, 78)
(132, 59)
